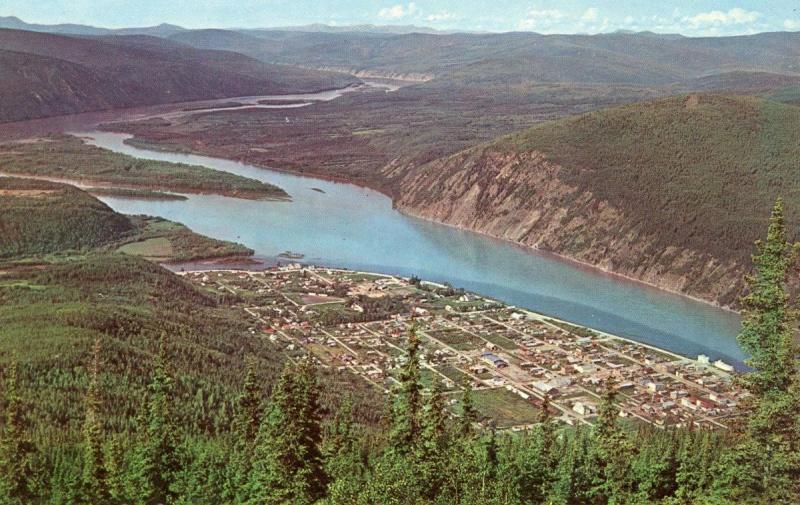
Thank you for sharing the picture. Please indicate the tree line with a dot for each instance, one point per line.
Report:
(287, 449)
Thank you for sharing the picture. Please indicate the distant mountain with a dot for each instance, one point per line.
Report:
(15, 23)
(365, 28)
(47, 74)
(672, 192)
(516, 58)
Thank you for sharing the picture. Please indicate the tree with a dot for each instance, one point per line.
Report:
(247, 423)
(17, 451)
(769, 321)
(434, 447)
(406, 425)
(156, 460)
(343, 460)
(248, 417)
(93, 479)
(536, 460)
(764, 465)
(288, 465)
(469, 416)
(611, 452)
(114, 469)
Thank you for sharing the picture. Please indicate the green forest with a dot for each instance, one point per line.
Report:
(124, 384)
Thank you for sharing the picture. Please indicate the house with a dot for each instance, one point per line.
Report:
(545, 387)
(492, 359)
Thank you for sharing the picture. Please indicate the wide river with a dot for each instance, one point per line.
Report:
(352, 227)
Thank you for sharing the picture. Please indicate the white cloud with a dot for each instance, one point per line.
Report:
(792, 24)
(441, 16)
(591, 14)
(736, 16)
(398, 11)
(541, 18)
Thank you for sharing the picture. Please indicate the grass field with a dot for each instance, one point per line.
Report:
(162, 240)
(504, 407)
(457, 339)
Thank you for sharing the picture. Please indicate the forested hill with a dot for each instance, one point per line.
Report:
(46, 74)
(672, 192)
(40, 217)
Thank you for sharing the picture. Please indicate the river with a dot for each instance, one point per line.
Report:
(348, 226)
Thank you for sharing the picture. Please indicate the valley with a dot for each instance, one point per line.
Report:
(352, 263)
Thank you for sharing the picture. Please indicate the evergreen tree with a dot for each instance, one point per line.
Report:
(114, 469)
(311, 428)
(248, 421)
(611, 452)
(434, 447)
(769, 321)
(763, 466)
(406, 423)
(574, 484)
(342, 456)
(156, 460)
(94, 471)
(17, 472)
(469, 415)
(536, 460)
(248, 417)
(288, 465)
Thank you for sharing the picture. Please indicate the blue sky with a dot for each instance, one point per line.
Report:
(689, 17)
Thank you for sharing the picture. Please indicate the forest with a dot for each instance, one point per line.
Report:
(160, 404)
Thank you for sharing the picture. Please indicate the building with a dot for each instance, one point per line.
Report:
(492, 359)
(703, 359)
(723, 366)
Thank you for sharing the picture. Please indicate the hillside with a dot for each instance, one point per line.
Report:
(522, 57)
(672, 192)
(40, 217)
(47, 74)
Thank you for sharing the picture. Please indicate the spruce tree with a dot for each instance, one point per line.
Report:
(611, 452)
(434, 446)
(248, 418)
(469, 415)
(94, 472)
(288, 465)
(406, 422)
(310, 418)
(114, 467)
(156, 460)
(17, 451)
(342, 456)
(764, 465)
(246, 426)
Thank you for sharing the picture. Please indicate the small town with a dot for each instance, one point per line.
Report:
(512, 359)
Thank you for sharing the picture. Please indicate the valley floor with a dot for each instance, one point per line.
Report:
(359, 321)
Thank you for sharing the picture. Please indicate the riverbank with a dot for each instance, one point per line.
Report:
(66, 158)
(513, 358)
(385, 189)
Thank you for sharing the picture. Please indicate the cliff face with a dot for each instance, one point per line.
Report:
(522, 197)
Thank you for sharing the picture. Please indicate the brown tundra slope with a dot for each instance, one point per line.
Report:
(672, 192)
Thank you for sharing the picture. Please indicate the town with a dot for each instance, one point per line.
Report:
(511, 358)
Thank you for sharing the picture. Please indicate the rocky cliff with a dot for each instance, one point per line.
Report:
(672, 193)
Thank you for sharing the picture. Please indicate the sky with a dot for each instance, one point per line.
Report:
(688, 17)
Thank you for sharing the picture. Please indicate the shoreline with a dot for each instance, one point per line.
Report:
(409, 213)
(540, 316)
(89, 184)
